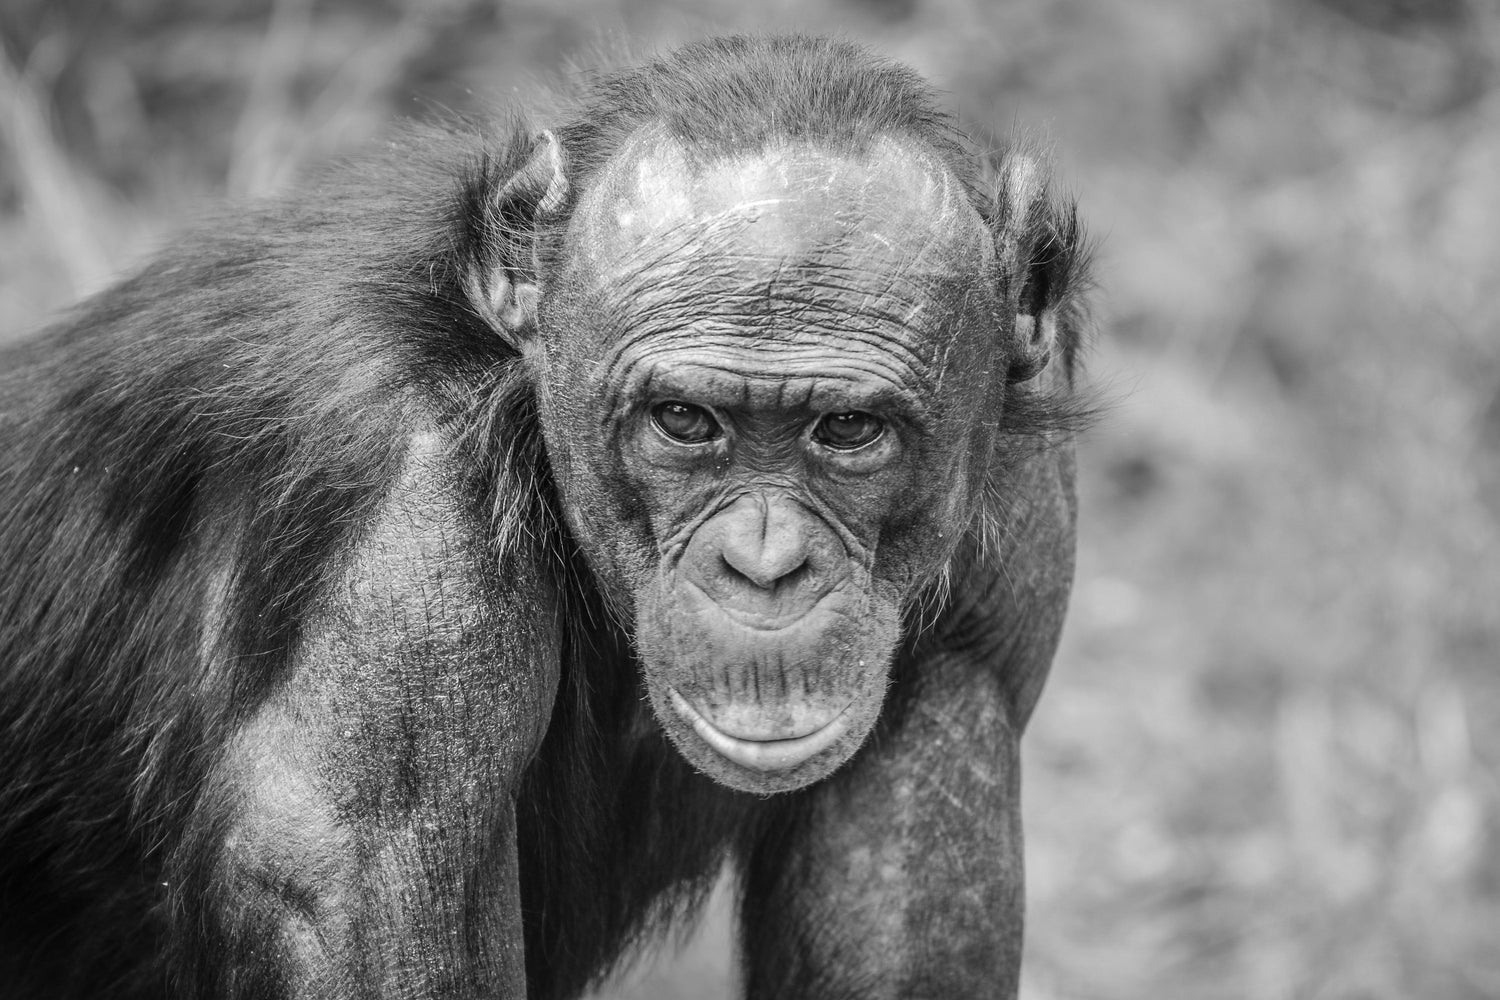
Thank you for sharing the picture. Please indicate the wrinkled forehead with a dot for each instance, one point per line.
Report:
(894, 207)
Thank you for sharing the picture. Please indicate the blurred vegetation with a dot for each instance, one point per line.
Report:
(1267, 763)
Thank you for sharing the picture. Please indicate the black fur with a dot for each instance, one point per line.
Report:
(188, 459)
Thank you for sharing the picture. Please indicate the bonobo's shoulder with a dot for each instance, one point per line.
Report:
(384, 211)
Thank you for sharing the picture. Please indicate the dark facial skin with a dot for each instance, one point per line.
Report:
(766, 378)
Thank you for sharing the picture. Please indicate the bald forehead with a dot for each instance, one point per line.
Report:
(786, 203)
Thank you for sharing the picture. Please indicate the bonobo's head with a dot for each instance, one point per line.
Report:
(769, 379)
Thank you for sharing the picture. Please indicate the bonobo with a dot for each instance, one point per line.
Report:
(422, 586)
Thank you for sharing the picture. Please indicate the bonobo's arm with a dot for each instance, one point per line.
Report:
(370, 843)
(903, 875)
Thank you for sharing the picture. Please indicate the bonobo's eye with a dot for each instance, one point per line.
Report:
(847, 431)
(685, 423)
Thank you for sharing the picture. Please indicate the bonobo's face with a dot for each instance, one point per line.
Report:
(769, 392)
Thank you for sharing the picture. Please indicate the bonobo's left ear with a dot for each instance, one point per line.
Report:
(1044, 260)
(503, 282)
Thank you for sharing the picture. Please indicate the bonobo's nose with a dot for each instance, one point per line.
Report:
(767, 545)
(767, 555)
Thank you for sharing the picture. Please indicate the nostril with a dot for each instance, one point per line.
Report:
(731, 571)
(790, 579)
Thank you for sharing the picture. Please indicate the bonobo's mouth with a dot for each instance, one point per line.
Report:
(763, 755)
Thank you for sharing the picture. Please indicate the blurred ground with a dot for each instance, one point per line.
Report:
(1266, 764)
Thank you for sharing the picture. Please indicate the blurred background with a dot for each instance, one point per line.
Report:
(1266, 763)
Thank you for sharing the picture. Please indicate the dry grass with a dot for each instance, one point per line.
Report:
(1266, 766)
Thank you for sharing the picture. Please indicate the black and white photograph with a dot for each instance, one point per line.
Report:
(827, 499)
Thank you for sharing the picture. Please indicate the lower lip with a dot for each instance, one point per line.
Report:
(762, 755)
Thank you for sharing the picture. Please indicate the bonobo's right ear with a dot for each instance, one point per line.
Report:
(503, 282)
(1044, 257)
